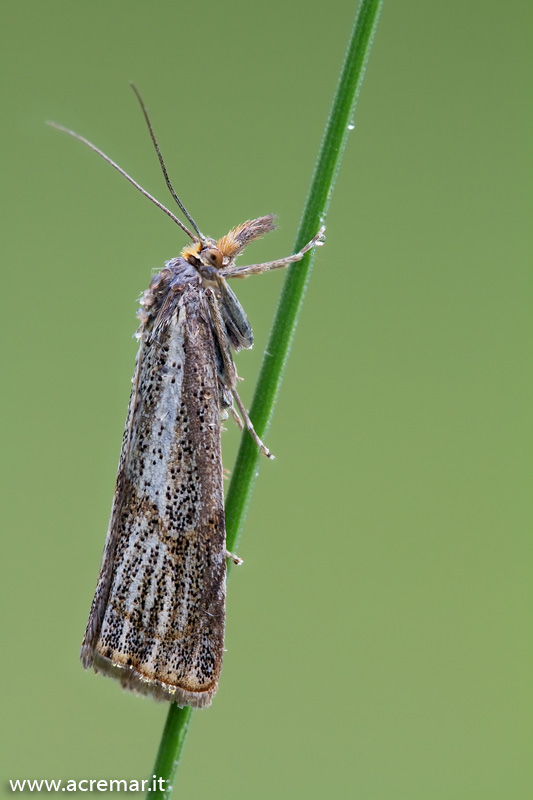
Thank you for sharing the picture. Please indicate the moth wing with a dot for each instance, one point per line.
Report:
(157, 620)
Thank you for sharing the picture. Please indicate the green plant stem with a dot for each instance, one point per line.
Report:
(169, 753)
(314, 214)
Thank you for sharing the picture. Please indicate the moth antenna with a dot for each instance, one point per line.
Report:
(162, 163)
(125, 174)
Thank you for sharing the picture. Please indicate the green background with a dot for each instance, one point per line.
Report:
(379, 633)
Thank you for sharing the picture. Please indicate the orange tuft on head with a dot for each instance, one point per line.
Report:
(191, 250)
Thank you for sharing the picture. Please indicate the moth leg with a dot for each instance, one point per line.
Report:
(249, 427)
(254, 269)
(229, 371)
(236, 417)
(236, 560)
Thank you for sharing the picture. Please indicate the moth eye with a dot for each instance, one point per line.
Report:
(214, 257)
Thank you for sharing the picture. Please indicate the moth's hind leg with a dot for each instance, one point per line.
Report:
(248, 425)
(243, 421)
(236, 417)
(227, 406)
(227, 374)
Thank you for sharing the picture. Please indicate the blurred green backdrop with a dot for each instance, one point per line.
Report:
(379, 634)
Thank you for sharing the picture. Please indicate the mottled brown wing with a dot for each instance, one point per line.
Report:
(157, 620)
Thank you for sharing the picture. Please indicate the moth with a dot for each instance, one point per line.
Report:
(158, 614)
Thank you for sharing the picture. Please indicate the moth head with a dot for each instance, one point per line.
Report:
(205, 257)
(208, 255)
